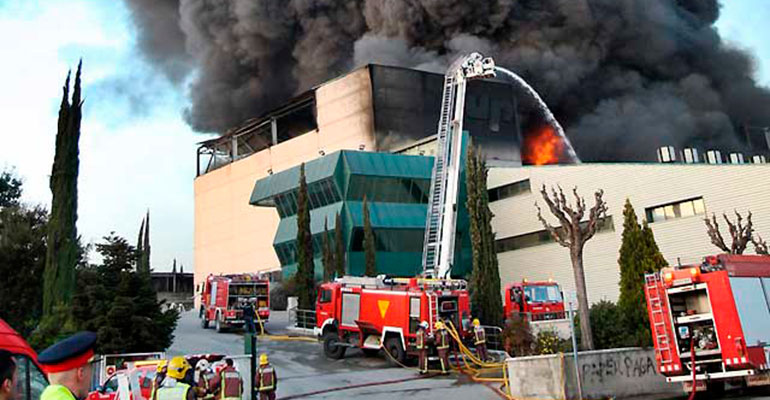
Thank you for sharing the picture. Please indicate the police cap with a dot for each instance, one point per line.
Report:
(70, 353)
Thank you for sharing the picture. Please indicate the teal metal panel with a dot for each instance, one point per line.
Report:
(266, 188)
(387, 164)
(396, 264)
(389, 215)
(287, 227)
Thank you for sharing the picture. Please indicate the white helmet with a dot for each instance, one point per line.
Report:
(203, 365)
(424, 324)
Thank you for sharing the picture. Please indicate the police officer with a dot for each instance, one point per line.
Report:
(68, 365)
(7, 376)
(266, 379)
(174, 387)
(480, 340)
(230, 382)
(442, 346)
(422, 347)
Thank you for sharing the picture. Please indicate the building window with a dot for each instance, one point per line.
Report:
(680, 209)
(543, 237)
(390, 240)
(384, 189)
(320, 194)
(509, 190)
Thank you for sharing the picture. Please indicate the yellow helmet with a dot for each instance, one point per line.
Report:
(262, 359)
(476, 322)
(177, 367)
(161, 366)
(439, 325)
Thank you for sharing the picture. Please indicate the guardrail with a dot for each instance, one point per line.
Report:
(494, 336)
(302, 318)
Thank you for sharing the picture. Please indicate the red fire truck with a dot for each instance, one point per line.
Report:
(223, 296)
(714, 317)
(384, 312)
(541, 300)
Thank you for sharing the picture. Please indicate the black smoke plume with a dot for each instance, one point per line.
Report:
(623, 76)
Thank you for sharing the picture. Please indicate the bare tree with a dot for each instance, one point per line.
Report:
(760, 245)
(741, 234)
(573, 234)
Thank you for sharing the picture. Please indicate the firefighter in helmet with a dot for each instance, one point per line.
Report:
(160, 375)
(480, 340)
(442, 346)
(422, 346)
(230, 382)
(173, 387)
(266, 379)
(207, 384)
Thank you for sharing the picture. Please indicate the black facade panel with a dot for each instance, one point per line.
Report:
(407, 104)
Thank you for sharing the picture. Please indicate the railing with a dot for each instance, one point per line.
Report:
(494, 336)
(302, 318)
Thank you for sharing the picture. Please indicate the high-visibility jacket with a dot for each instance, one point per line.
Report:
(57, 392)
(230, 384)
(266, 378)
(479, 335)
(205, 383)
(175, 392)
(442, 339)
(420, 341)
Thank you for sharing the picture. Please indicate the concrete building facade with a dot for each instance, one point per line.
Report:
(673, 198)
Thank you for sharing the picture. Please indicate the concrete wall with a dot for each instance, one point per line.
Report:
(604, 373)
(724, 188)
(232, 236)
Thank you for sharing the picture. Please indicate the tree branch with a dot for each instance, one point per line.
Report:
(712, 229)
(597, 212)
(760, 245)
(556, 234)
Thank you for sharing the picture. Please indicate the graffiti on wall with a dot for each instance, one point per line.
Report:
(618, 366)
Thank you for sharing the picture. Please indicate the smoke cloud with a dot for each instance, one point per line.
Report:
(622, 76)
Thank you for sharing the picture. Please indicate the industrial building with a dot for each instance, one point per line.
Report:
(371, 132)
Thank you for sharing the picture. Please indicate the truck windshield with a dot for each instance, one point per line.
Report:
(542, 293)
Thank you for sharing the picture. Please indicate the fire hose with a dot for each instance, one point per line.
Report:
(285, 338)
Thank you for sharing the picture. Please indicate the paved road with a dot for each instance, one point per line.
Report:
(302, 367)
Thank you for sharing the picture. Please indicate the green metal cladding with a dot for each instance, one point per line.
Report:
(396, 187)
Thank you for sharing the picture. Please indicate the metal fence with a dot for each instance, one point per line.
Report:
(302, 318)
(494, 335)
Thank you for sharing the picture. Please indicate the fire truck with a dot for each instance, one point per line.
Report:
(541, 300)
(385, 312)
(710, 323)
(223, 296)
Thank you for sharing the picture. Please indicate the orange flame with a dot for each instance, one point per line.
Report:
(542, 147)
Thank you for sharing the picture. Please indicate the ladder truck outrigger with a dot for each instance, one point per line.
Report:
(385, 312)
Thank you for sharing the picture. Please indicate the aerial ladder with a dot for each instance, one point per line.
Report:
(441, 221)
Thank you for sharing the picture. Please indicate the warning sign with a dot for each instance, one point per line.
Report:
(383, 305)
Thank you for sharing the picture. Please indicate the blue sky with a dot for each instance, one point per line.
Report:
(136, 151)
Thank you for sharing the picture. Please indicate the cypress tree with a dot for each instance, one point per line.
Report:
(328, 255)
(139, 243)
(304, 276)
(62, 241)
(369, 249)
(485, 277)
(339, 247)
(146, 246)
(639, 255)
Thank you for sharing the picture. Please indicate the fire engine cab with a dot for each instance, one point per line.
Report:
(223, 298)
(710, 323)
(384, 312)
(540, 300)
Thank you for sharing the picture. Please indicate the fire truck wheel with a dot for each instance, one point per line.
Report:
(220, 328)
(396, 351)
(331, 347)
(204, 323)
(371, 352)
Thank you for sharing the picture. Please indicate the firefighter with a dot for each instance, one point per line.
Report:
(422, 346)
(266, 379)
(480, 340)
(442, 346)
(160, 375)
(68, 366)
(230, 382)
(173, 387)
(207, 384)
(248, 316)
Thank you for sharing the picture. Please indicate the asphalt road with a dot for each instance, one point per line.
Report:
(302, 368)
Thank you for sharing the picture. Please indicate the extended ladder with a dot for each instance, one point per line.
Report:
(438, 245)
(658, 313)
